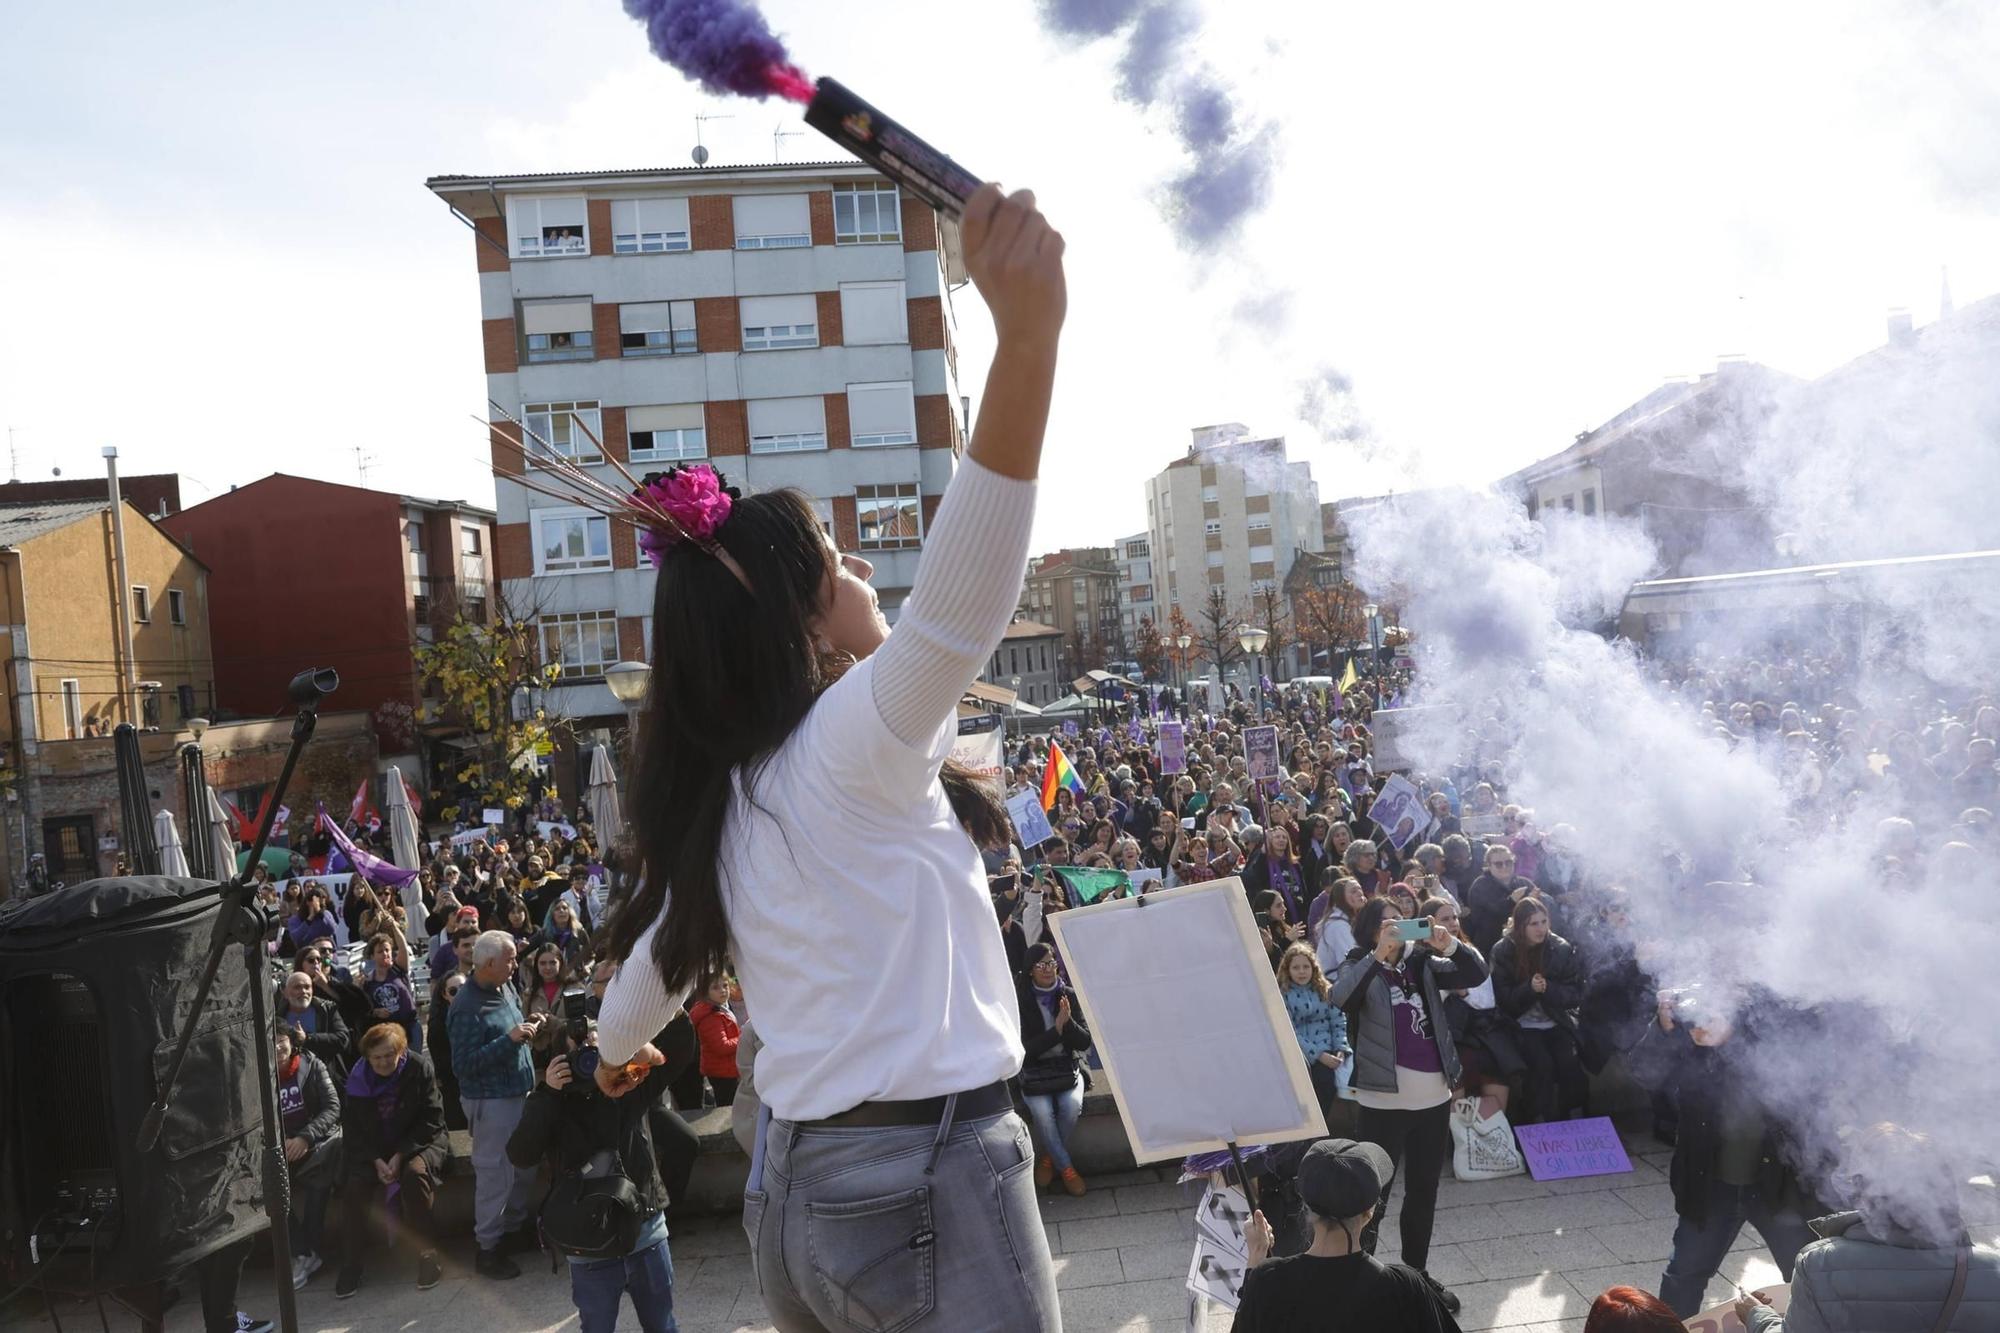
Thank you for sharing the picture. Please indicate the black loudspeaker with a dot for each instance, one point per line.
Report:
(95, 982)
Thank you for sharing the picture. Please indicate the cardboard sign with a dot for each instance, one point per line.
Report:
(1568, 1148)
(1173, 748)
(493, 815)
(1144, 876)
(1482, 826)
(1722, 1319)
(1069, 729)
(1398, 813)
(1031, 822)
(1222, 1251)
(1260, 751)
(981, 751)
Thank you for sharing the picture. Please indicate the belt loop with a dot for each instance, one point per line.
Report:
(944, 1132)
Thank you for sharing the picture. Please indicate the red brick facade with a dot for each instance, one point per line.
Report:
(919, 224)
(711, 222)
(489, 245)
(505, 438)
(838, 434)
(846, 523)
(513, 551)
(728, 428)
(503, 346)
(598, 213)
(631, 639)
(829, 316)
(604, 329)
(718, 325)
(617, 445)
(934, 420)
(930, 507)
(624, 545)
(819, 206)
(926, 323)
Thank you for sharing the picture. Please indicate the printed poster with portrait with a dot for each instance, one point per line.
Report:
(1260, 752)
(1398, 813)
(1173, 748)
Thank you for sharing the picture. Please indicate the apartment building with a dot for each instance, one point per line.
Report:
(790, 323)
(316, 573)
(1230, 514)
(1077, 592)
(1135, 586)
(1029, 661)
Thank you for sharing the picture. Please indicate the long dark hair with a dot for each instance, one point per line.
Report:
(1528, 957)
(734, 673)
(1368, 923)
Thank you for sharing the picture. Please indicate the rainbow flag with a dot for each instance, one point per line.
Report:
(1059, 774)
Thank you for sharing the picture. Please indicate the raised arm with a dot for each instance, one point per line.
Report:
(970, 579)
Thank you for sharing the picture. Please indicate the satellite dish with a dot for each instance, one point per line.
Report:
(700, 156)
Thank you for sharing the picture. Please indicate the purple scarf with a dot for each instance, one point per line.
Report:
(363, 1081)
(1285, 879)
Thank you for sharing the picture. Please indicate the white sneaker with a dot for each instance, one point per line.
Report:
(245, 1324)
(303, 1268)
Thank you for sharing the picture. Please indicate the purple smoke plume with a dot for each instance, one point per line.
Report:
(1230, 175)
(724, 45)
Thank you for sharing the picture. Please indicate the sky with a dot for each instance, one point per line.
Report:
(1501, 224)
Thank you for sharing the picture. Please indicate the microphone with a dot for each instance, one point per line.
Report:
(312, 685)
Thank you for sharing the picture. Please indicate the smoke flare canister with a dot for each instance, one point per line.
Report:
(898, 154)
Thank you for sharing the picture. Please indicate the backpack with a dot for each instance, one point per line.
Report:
(593, 1211)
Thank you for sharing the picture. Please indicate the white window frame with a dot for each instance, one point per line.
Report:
(1260, 523)
(142, 604)
(584, 564)
(1210, 495)
(673, 340)
(874, 195)
(683, 444)
(1211, 527)
(71, 690)
(521, 245)
(643, 239)
(787, 240)
(780, 337)
(1269, 557)
(849, 336)
(893, 493)
(882, 439)
(788, 442)
(1215, 559)
(176, 606)
(577, 621)
(541, 418)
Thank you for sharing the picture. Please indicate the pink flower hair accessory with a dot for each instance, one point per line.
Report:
(694, 500)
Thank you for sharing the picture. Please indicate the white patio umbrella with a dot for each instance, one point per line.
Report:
(173, 857)
(405, 850)
(601, 797)
(221, 839)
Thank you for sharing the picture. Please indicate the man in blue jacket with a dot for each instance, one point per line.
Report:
(496, 1071)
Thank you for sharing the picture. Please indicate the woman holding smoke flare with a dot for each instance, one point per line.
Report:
(893, 1173)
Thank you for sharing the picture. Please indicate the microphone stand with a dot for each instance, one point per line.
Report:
(241, 921)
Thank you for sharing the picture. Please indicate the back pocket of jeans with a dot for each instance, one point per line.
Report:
(873, 1259)
(753, 1227)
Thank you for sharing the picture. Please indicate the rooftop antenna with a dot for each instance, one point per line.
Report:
(778, 136)
(13, 456)
(700, 153)
(362, 462)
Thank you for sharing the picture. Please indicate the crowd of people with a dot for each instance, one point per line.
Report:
(382, 1051)
(1518, 979)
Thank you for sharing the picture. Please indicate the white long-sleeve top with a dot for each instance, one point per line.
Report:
(859, 917)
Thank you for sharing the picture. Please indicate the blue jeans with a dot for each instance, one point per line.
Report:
(1699, 1249)
(854, 1232)
(1054, 1115)
(647, 1274)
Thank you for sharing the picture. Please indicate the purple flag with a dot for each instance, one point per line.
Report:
(374, 867)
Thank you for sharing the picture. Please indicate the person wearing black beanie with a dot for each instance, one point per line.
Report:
(1335, 1284)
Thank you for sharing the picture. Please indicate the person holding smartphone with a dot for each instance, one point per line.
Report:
(492, 1055)
(1405, 1063)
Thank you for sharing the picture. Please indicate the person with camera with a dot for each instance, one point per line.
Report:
(606, 1212)
(394, 1150)
(1405, 1062)
(1734, 1156)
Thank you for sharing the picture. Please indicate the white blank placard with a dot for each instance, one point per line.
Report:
(1185, 1014)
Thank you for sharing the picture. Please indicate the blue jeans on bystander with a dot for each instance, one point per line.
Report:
(1700, 1248)
(1054, 1115)
(646, 1274)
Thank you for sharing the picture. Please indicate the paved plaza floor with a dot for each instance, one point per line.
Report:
(1523, 1255)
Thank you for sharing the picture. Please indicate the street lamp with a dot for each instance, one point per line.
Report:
(1184, 642)
(1014, 683)
(629, 682)
(1374, 614)
(1252, 640)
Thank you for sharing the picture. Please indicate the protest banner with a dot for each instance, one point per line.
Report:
(1069, 729)
(1399, 811)
(493, 815)
(1145, 876)
(1031, 822)
(1173, 748)
(1564, 1149)
(1482, 826)
(1260, 751)
(1086, 886)
(979, 747)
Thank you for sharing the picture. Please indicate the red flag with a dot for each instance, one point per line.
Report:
(362, 808)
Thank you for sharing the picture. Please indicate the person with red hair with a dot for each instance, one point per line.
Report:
(1630, 1310)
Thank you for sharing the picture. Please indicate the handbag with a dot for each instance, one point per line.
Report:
(594, 1210)
(1482, 1149)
